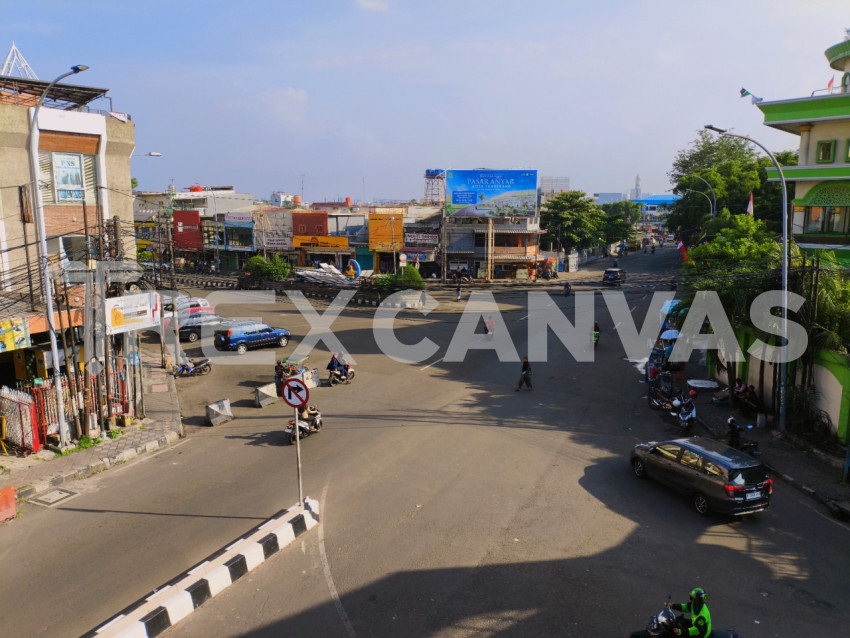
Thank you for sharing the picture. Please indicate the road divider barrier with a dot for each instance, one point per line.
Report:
(219, 412)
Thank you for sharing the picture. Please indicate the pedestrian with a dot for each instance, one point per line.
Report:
(525, 375)
(490, 323)
(458, 292)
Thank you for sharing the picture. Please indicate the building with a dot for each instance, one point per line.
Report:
(821, 179)
(609, 198)
(83, 173)
(654, 208)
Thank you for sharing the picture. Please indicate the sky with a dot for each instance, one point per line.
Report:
(356, 98)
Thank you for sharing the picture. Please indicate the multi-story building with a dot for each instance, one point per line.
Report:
(82, 169)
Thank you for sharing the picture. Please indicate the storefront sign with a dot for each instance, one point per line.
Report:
(306, 241)
(425, 239)
(242, 220)
(14, 335)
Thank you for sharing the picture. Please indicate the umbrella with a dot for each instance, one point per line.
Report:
(669, 335)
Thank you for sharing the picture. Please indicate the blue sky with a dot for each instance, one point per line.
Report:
(361, 96)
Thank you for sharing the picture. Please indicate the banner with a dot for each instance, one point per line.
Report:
(14, 335)
(132, 312)
(485, 193)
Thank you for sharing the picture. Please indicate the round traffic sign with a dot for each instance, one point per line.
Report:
(295, 393)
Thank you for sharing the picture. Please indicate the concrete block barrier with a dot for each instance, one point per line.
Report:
(265, 395)
(167, 605)
(219, 412)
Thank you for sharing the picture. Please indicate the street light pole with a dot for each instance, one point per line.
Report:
(783, 364)
(45, 262)
(713, 194)
(688, 190)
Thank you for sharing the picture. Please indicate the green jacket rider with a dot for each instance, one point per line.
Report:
(700, 622)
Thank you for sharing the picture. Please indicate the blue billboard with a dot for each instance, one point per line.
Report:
(486, 193)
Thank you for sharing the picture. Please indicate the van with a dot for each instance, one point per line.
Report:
(712, 475)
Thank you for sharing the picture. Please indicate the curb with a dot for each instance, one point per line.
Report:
(106, 462)
(167, 605)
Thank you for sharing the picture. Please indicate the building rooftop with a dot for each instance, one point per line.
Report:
(66, 97)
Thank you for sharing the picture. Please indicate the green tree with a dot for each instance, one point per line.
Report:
(734, 169)
(573, 220)
(274, 269)
(620, 221)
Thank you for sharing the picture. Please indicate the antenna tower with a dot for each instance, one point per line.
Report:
(15, 62)
(435, 186)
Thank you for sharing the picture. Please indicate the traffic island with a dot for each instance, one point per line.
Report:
(171, 603)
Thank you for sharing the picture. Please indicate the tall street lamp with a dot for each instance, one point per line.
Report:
(45, 263)
(714, 196)
(708, 199)
(783, 364)
(151, 154)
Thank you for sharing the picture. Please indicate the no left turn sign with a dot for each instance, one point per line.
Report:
(295, 393)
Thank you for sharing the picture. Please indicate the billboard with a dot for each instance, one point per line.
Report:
(386, 232)
(487, 193)
(187, 230)
(132, 312)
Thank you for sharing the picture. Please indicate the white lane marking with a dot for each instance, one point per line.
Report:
(632, 309)
(327, 568)
(431, 364)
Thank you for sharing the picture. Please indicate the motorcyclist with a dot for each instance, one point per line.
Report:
(699, 623)
(568, 288)
(336, 366)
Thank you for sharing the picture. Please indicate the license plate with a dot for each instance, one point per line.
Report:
(751, 496)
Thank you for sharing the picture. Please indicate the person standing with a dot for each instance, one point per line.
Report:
(458, 292)
(525, 375)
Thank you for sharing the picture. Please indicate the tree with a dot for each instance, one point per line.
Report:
(274, 269)
(734, 170)
(574, 219)
(619, 224)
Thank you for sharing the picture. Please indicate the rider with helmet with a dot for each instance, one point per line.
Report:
(700, 621)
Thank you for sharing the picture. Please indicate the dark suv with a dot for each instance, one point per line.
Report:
(614, 276)
(714, 476)
(248, 335)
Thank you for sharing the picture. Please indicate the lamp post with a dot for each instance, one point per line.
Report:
(688, 190)
(392, 231)
(714, 196)
(783, 364)
(45, 263)
(151, 154)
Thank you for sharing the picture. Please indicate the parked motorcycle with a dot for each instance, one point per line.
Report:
(194, 368)
(346, 375)
(306, 427)
(684, 411)
(747, 446)
(658, 399)
(665, 622)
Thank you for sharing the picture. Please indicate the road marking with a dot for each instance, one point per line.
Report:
(432, 364)
(327, 568)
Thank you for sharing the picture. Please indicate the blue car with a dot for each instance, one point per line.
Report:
(248, 335)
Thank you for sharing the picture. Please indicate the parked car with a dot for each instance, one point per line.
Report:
(193, 305)
(191, 327)
(247, 335)
(614, 276)
(714, 476)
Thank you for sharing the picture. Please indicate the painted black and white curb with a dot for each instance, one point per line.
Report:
(171, 603)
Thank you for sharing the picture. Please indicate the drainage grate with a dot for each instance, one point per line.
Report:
(49, 499)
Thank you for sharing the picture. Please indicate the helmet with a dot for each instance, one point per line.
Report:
(676, 403)
(698, 598)
(692, 393)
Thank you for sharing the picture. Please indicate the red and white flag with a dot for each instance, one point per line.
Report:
(829, 84)
(683, 250)
(750, 206)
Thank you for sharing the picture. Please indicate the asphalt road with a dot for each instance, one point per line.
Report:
(451, 506)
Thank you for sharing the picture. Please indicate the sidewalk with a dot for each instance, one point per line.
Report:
(815, 473)
(39, 473)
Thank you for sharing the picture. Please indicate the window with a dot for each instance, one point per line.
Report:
(826, 152)
(67, 178)
(713, 469)
(302, 229)
(668, 451)
(814, 219)
(847, 150)
(691, 459)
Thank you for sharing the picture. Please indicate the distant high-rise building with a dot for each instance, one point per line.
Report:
(555, 185)
(636, 192)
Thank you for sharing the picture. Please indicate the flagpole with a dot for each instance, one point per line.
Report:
(783, 363)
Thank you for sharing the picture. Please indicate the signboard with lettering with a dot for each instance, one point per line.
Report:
(486, 193)
(307, 241)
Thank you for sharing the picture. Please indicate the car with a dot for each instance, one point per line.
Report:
(191, 327)
(714, 476)
(247, 335)
(614, 276)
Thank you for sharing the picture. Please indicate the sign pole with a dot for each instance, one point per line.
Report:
(298, 458)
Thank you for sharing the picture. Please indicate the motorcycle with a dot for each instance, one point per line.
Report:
(658, 399)
(684, 411)
(345, 375)
(666, 621)
(306, 427)
(747, 446)
(193, 368)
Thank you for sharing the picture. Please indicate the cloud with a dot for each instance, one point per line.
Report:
(373, 5)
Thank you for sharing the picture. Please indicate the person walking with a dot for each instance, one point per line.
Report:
(525, 375)
(491, 324)
(458, 292)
